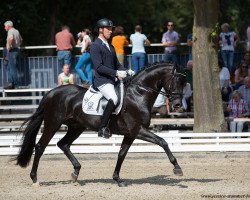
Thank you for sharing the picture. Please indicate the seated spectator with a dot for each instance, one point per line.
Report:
(224, 77)
(65, 77)
(187, 97)
(161, 105)
(119, 41)
(245, 91)
(189, 73)
(240, 74)
(246, 59)
(237, 108)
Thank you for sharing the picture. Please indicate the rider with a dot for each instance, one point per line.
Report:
(107, 71)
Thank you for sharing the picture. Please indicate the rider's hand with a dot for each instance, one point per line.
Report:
(121, 74)
(130, 72)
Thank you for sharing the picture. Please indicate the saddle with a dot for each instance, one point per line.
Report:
(94, 102)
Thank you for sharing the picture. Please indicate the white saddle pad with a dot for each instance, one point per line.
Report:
(94, 103)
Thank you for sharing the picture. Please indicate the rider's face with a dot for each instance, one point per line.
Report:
(106, 32)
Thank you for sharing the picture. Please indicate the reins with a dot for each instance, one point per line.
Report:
(169, 94)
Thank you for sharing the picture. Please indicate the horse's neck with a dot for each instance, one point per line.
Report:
(147, 84)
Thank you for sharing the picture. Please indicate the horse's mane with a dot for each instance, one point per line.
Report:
(150, 67)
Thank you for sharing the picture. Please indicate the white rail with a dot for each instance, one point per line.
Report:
(88, 142)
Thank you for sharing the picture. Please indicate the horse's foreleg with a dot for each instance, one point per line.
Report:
(148, 136)
(126, 143)
(65, 143)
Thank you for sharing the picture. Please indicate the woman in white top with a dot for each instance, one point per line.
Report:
(84, 41)
(228, 40)
(65, 77)
(138, 41)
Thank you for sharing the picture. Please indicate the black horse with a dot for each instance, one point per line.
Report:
(63, 105)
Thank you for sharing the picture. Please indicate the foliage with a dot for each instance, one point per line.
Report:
(38, 20)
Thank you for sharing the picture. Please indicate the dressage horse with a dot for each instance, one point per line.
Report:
(63, 105)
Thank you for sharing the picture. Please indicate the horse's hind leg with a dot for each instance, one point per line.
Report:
(126, 143)
(48, 133)
(148, 136)
(65, 143)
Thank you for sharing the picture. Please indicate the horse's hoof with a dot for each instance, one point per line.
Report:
(122, 184)
(74, 177)
(36, 184)
(178, 172)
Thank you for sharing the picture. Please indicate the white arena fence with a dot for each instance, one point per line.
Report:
(88, 142)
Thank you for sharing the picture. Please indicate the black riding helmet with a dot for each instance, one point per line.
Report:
(104, 23)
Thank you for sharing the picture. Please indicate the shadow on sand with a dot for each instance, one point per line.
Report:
(154, 180)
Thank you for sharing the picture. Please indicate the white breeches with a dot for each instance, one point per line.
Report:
(108, 91)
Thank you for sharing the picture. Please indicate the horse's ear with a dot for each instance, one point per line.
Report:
(177, 67)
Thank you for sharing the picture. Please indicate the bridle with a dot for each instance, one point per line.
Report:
(169, 94)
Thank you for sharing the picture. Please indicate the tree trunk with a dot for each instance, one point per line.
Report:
(208, 111)
(52, 25)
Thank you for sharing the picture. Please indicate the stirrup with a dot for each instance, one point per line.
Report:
(104, 132)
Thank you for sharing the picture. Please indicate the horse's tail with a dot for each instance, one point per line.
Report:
(29, 136)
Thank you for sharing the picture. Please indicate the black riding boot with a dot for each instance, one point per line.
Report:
(104, 131)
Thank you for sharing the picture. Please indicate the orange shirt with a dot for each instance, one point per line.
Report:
(119, 42)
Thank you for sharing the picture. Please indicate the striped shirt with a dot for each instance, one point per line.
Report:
(245, 93)
(238, 109)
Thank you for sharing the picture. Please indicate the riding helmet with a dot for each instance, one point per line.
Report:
(104, 23)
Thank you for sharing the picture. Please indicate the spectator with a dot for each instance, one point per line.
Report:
(190, 44)
(66, 77)
(237, 108)
(119, 41)
(14, 40)
(161, 105)
(240, 74)
(189, 73)
(246, 59)
(170, 40)
(65, 42)
(224, 77)
(138, 40)
(85, 41)
(245, 91)
(228, 40)
(187, 97)
(248, 38)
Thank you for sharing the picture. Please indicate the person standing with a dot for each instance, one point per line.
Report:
(190, 44)
(107, 71)
(119, 41)
(248, 38)
(228, 40)
(65, 42)
(138, 41)
(170, 39)
(85, 42)
(14, 40)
